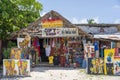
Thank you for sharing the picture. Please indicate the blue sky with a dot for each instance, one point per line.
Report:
(78, 11)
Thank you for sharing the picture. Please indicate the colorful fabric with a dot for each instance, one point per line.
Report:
(48, 50)
(96, 44)
(51, 59)
(38, 48)
(102, 52)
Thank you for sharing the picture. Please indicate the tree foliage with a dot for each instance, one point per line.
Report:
(91, 21)
(16, 14)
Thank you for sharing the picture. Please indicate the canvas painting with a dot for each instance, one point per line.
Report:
(117, 68)
(13, 67)
(15, 53)
(23, 42)
(95, 66)
(108, 61)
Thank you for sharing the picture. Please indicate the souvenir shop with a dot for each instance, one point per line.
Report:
(102, 57)
(54, 40)
(59, 46)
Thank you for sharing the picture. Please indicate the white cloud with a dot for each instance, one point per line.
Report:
(84, 20)
(117, 21)
(116, 6)
(76, 21)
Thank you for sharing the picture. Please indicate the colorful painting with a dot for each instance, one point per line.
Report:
(117, 67)
(15, 53)
(95, 66)
(108, 61)
(52, 23)
(117, 51)
(89, 50)
(13, 67)
(24, 42)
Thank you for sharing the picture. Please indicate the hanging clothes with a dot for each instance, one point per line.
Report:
(56, 60)
(96, 44)
(62, 60)
(51, 59)
(48, 50)
(96, 48)
(53, 43)
(38, 47)
(36, 44)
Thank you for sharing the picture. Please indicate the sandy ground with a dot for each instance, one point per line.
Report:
(59, 73)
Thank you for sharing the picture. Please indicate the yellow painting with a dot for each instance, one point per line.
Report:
(53, 23)
(108, 61)
(15, 53)
(13, 67)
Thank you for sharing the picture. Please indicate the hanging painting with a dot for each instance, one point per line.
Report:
(24, 42)
(89, 51)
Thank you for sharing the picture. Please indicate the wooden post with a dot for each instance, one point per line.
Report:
(0, 50)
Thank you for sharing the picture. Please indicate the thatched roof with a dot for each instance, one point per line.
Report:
(37, 25)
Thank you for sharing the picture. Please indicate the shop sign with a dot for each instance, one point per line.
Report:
(52, 23)
(59, 32)
(13, 67)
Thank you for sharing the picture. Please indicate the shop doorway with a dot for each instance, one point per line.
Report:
(44, 58)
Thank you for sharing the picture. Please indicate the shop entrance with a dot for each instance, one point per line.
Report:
(44, 58)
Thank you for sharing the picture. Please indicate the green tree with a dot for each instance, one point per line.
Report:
(91, 21)
(16, 14)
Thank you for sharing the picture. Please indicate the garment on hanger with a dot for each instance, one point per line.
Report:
(56, 60)
(53, 43)
(96, 44)
(48, 50)
(51, 59)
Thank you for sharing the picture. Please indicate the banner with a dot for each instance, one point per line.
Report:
(59, 32)
(13, 67)
(108, 61)
(22, 42)
(52, 23)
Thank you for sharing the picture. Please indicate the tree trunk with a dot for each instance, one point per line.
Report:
(0, 50)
